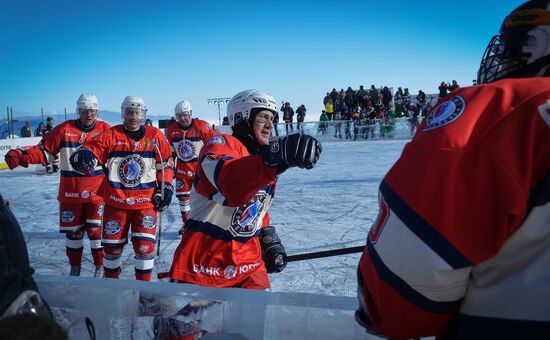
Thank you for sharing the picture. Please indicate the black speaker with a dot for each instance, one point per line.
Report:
(164, 123)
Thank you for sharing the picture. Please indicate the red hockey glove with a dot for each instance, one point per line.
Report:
(16, 157)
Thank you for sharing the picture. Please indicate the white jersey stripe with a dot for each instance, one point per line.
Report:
(209, 167)
(112, 264)
(523, 261)
(74, 244)
(107, 241)
(402, 255)
(144, 264)
(95, 244)
(144, 235)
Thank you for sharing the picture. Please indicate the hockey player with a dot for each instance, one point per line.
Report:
(139, 172)
(186, 136)
(80, 201)
(463, 251)
(228, 240)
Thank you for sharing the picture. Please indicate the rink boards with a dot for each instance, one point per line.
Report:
(124, 309)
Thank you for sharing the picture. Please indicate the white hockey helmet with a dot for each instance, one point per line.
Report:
(136, 103)
(87, 102)
(241, 105)
(183, 106)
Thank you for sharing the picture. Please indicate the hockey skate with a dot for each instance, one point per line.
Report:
(99, 271)
(75, 271)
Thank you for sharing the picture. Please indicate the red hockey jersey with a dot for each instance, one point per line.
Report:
(463, 230)
(186, 143)
(63, 140)
(133, 167)
(233, 191)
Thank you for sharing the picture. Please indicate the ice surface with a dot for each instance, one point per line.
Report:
(328, 207)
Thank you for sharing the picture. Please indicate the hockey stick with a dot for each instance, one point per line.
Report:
(161, 195)
(325, 253)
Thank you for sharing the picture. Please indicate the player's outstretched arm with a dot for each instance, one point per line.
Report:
(298, 150)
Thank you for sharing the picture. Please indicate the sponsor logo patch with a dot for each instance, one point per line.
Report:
(72, 195)
(116, 199)
(216, 140)
(85, 194)
(148, 222)
(67, 216)
(179, 185)
(445, 113)
(112, 227)
(212, 271)
(230, 272)
(130, 170)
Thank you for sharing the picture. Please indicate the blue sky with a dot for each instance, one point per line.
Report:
(166, 51)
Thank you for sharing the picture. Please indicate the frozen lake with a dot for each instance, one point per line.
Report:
(329, 207)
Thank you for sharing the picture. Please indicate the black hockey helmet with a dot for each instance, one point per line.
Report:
(522, 49)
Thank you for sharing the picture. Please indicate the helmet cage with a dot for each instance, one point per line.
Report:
(522, 49)
(500, 59)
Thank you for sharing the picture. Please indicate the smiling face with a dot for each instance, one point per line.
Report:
(263, 124)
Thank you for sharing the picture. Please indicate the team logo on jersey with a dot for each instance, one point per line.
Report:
(148, 222)
(445, 113)
(230, 272)
(186, 150)
(216, 140)
(179, 185)
(67, 216)
(381, 220)
(130, 170)
(112, 227)
(244, 222)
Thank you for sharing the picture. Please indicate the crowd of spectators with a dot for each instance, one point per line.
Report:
(446, 88)
(362, 109)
